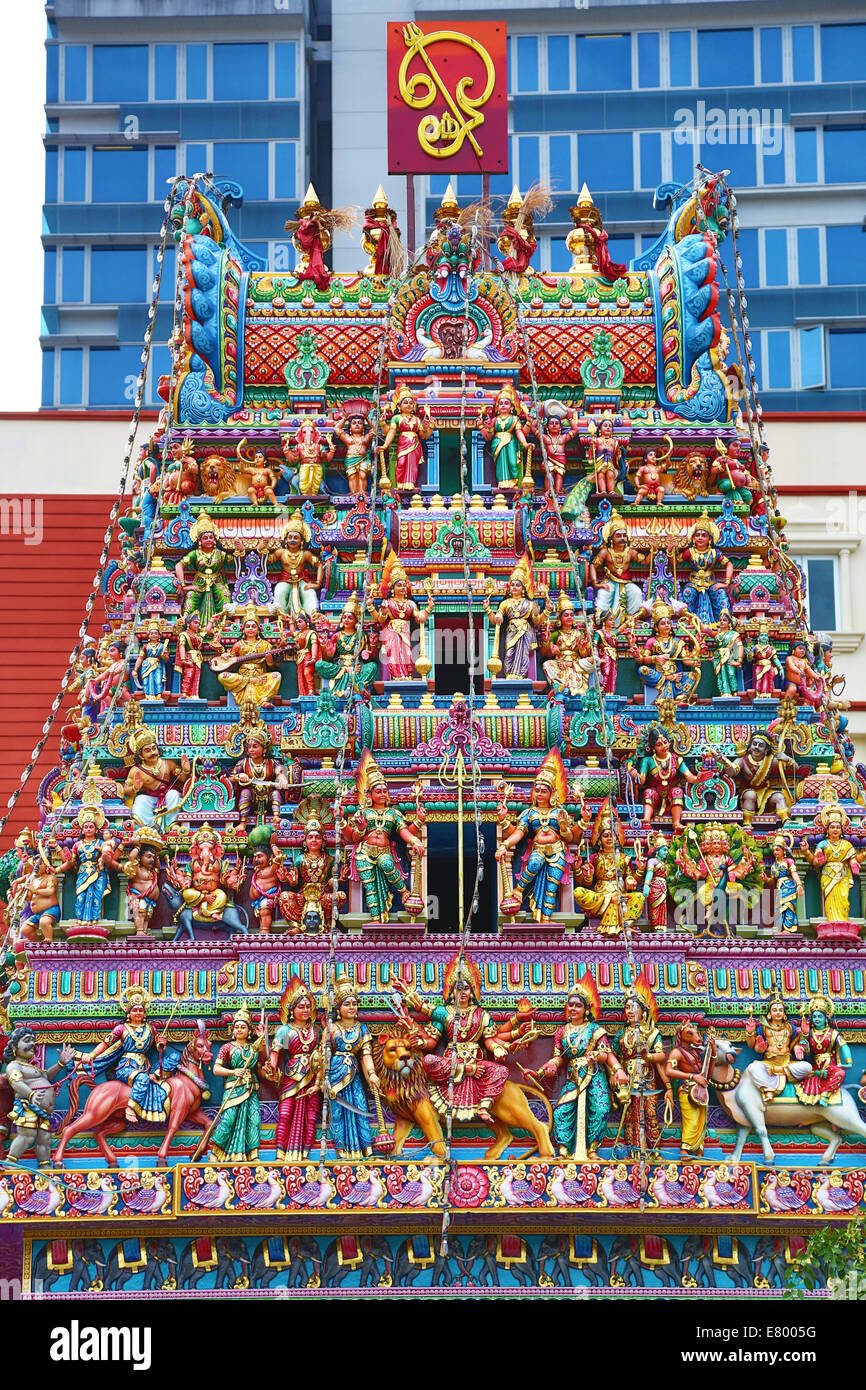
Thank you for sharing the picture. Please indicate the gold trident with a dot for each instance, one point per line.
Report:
(419, 92)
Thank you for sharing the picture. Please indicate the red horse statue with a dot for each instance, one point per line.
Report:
(105, 1111)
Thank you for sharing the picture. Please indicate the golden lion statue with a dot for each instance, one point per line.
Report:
(222, 478)
(405, 1092)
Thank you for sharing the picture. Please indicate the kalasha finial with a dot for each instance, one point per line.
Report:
(449, 209)
(587, 241)
(311, 202)
(380, 202)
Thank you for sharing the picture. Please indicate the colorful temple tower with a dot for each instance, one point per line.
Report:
(449, 877)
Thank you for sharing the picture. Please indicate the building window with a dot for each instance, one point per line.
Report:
(560, 256)
(846, 255)
(844, 153)
(684, 156)
(847, 351)
(285, 58)
(51, 163)
(773, 169)
(52, 68)
(771, 55)
(71, 367)
(778, 374)
(246, 164)
(604, 62)
(240, 72)
(72, 288)
(809, 255)
(843, 52)
(803, 50)
(119, 175)
(196, 72)
(120, 72)
(811, 344)
(49, 276)
(118, 274)
(680, 57)
(822, 591)
(197, 160)
(605, 162)
(560, 162)
(650, 158)
(747, 247)
(806, 155)
(528, 165)
(165, 72)
(559, 63)
(164, 169)
(527, 64)
(776, 256)
(648, 63)
(113, 374)
(48, 376)
(739, 157)
(74, 174)
(726, 57)
(75, 72)
(284, 168)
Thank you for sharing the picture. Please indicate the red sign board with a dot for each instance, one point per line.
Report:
(447, 98)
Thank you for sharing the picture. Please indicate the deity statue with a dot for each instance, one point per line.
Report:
(305, 647)
(761, 772)
(131, 1050)
(208, 595)
(829, 1054)
(236, 1134)
(308, 904)
(706, 596)
(731, 474)
(268, 873)
(410, 429)
(687, 1065)
(728, 657)
(41, 901)
(581, 1049)
(350, 1073)
(605, 455)
(838, 861)
(610, 572)
(784, 875)
(108, 684)
(669, 665)
(295, 1058)
(33, 1092)
(260, 479)
(707, 860)
(153, 784)
(94, 855)
(312, 230)
(380, 239)
(311, 450)
(521, 619)
(192, 643)
(660, 773)
(606, 645)
(655, 881)
(780, 1046)
(394, 615)
(802, 681)
(503, 428)
(471, 1035)
(549, 828)
(570, 667)
(372, 830)
(639, 1049)
(145, 488)
(766, 663)
(202, 886)
(183, 480)
(260, 779)
(555, 440)
(348, 656)
(649, 480)
(353, 429)
(243, 671)
(605, 883)
(141, 868)
(150, 664)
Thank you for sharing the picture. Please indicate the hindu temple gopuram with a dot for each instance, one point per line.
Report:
(449, 874)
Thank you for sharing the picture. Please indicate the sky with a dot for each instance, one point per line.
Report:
(22, 94)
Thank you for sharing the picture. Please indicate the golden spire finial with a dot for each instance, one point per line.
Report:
(311, 196)
(379, 199)
(585, 198)
(516, 199)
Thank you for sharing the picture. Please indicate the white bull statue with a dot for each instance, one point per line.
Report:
(743, 1099)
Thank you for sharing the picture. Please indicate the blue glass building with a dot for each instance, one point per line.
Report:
(621, 97)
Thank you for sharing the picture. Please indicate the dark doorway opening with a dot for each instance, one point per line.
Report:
(442, 878)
